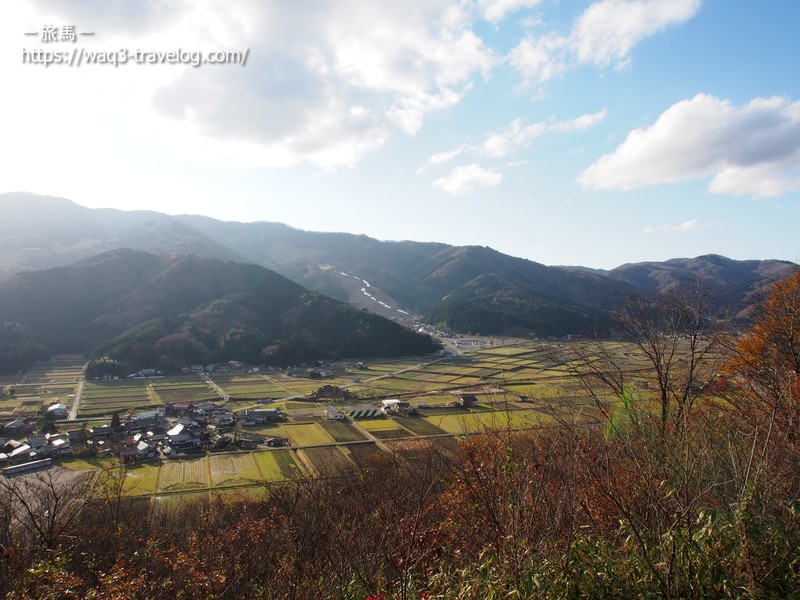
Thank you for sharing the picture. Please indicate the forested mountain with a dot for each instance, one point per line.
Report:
(467, 288)
(167, 311)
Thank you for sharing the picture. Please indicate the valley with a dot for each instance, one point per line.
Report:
(515, 386)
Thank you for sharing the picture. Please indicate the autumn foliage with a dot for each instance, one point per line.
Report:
(634, 506)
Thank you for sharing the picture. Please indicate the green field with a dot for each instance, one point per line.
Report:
(497, 376)
(307, 435)
(418, 426)
(184, 389)
(233, 469)
(142, 479)
(342, 432)
(183, 474)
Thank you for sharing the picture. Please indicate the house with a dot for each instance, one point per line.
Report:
(103, 432)
(466, 401)
(246, 444)
(176, 430)
(37, 441)
(143, 421)
(58, 411)
(18, 426)
(223, 418)
(275, 442)
(334, 414)
(206, 407)
(393, 405)
(21, 453)
(134, 451)
(262, 415)
(158, 434)
(77, 436)
(58, 444)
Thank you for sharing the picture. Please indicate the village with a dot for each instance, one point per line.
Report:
(175, 430)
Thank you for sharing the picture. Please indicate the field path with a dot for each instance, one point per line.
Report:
(220, 391)
(372, 438)
(73, 413)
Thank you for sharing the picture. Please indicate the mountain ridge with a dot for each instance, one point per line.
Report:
(435, 281)
(152, 310)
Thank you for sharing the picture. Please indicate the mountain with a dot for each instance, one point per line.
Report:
(168, 311)
(466, 288)
(732, 281)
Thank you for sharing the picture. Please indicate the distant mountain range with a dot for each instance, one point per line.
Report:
(467, 288)
(149, 310)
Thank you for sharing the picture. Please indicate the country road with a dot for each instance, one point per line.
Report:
(76, 405)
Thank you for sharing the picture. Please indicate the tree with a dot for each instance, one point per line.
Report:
(45, 506)
(765, 364)
(672, 331)
(49, 424)
(767, 355)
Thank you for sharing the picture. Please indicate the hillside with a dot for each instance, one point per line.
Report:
(733, 281)
(169, 311)
(467, 288)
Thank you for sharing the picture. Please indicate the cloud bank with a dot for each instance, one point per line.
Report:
(752, 149)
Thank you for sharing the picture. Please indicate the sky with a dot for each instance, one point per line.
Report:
(567, 132)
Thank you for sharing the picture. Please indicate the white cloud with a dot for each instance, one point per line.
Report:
(506, 142)
(608, 30)
(540, 59)
(685, 227)
(468, 178)
(443, 157)
(752, 149)
(495, 11)
(326, 82)
(604, 34)
(518, 135)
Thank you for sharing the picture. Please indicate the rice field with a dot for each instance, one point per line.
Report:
(142, 479)
(497, 376)
(106, 397)
(342, 432)
(188, 389)
(183, 474)
(326, 460)
(233, 469)
(307, 434)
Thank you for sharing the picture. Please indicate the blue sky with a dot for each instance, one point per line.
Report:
(566, 132)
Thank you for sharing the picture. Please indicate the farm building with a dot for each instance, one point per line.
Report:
(262, 415)
(362, 411)
(58, 410)
(334, 414)
(466, 401)
(393, 405)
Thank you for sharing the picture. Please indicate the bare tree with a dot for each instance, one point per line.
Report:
(44, 506)
(673, 334)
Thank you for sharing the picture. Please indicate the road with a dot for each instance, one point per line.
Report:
(76, 405)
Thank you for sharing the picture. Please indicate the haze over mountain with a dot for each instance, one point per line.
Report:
(169, 311)
(468, 288)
